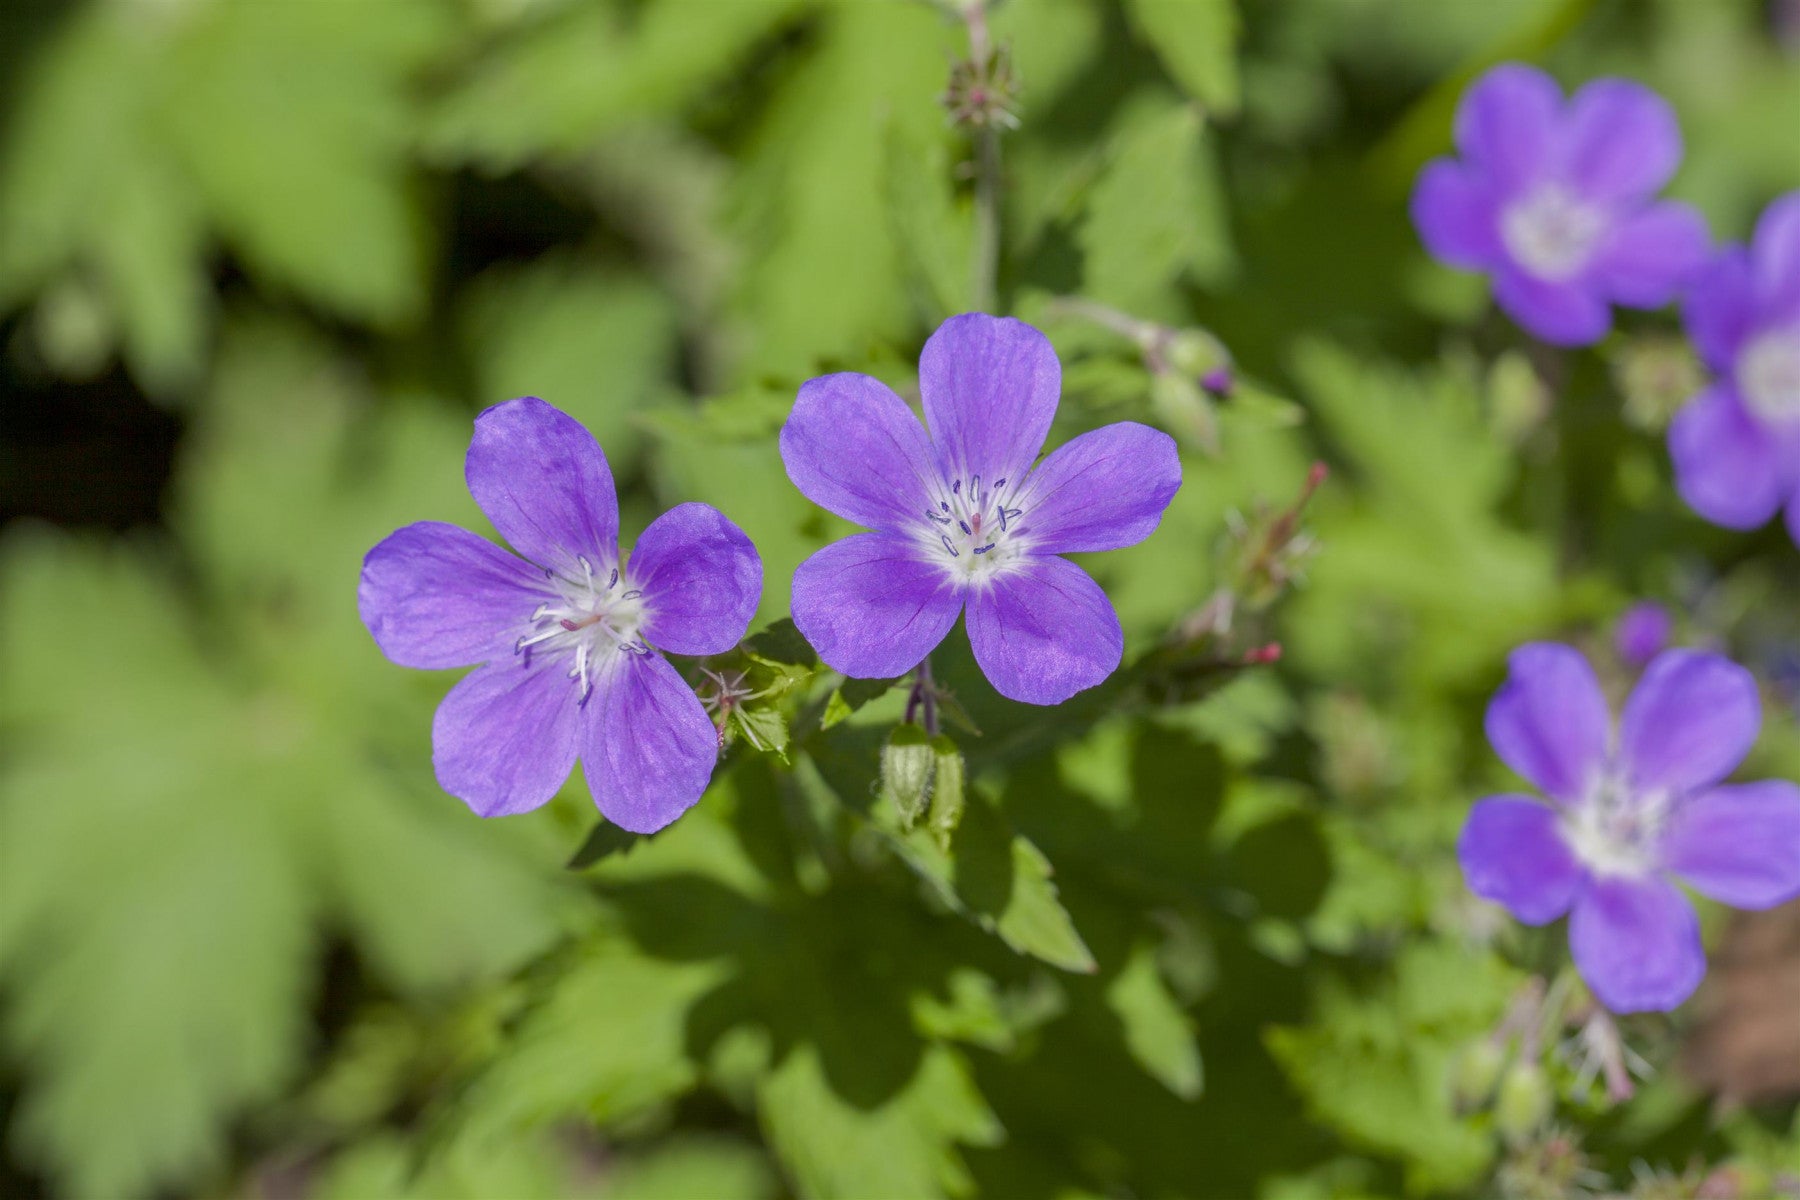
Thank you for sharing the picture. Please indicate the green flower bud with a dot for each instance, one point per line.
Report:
(947, 790)
(1476, 1073)
(906, 772)
(1524, 1103)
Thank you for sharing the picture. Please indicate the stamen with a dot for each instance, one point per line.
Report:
(633, 594)
(538, 613)
(975, 487)
(943, 504)
(933, 516)
(956, 487)
(587, 569)
(614, 581)
(999, 483)
(568, 625)
(986, 548)
(952, 549)
(965, 527)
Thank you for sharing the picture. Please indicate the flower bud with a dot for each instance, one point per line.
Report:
(947, 790)
(1476, 1073)
(1184, 409)
(1524, 1102)
(906, 772)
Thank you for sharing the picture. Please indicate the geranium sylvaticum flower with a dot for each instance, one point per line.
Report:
(1555, 201)
(1736, 447)
(1630, 810)
(962, 519)
(569, 634)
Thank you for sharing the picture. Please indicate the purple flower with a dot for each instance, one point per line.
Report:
(568, 633)
(1630, 810)
(1554, 201)
(963, 520)
(1642, 632)
(1737, 445)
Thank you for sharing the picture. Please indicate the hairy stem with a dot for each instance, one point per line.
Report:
(987, 173)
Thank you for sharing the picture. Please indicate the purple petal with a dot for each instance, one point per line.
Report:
(1739, 845)
(990, 386)
(1512, 854)
(1100, 491)
(1506, 122)
(1652, 255)
(1720, 309)
(701, 579)
(873, 606)
(1044, 631)
(1565, 313)
(1620, 140)
(435, 595)
(647, 746)
(1454, 211)
(1637, 944)
(541, 479)
(1727, 467)
(504, 738)
(852, 446)
(1689, 722)
(1549, 721)
(1777, 253)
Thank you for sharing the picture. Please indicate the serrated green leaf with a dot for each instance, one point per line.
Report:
(848, 697)
(1197, 43)
(1157, 210)
(907, 1146)
(1157, 1031)
(764, 727)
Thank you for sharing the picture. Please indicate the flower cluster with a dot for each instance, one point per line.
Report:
(1629, 810)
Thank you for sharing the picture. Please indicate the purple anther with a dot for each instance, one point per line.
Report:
(956, 487)
(986, 548)
(965, 527)
(614, 581)
(975, 487)
(952, 549)
(633, 594)
(945, 505)
(999, 483)
(934, 517)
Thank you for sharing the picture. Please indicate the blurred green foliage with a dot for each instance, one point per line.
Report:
(1197, 933)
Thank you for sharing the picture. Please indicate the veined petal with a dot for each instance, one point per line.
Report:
(1512, 853)
(1619, 140)
(1506, 121)
(872, 606)
(1100, 491)
(1455, 212)
(1044, 631)
(504, 738)
(1637, 944)
(1689, 722)
(647, 745)
(1740, 844)
(435, 595)
(541, 478)
(1565, 313)
(1777, 251)
(1549, 721)
(990, 386)
(701, 578)
(1727, 467)
(1720, 309)
(853, 447)
(1653, 254)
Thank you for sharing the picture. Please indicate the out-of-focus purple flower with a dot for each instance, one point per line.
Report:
(962, 519)
(1629, 811)
(1555, 201)
(568, 634)
(1642, 632)
(1737, 445)
(1218, 382)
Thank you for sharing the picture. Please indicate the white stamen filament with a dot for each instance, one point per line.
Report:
(1616, 831)
(973, 527)
(587, 618)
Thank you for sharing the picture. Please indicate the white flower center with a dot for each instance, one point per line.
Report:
(1768, 376)
(1552, 232)
(974, 527)
(1614, 830)
(594, 618)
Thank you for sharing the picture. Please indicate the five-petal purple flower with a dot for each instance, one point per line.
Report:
(1628, 812)
(1737, 445)
(962, 519)
(569, 644)
(1555, 201)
